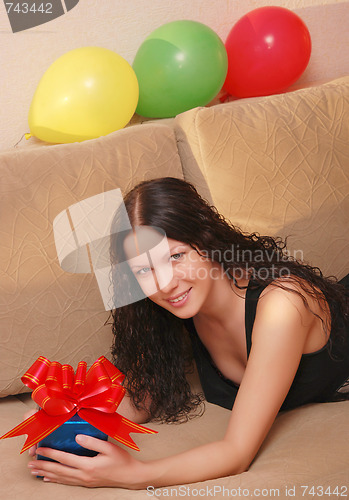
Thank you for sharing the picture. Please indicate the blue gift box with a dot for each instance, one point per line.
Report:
(63, 438)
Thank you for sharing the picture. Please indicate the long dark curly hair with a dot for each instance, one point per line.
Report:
(150, 344)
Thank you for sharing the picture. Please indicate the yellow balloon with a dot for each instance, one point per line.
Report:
(86, 93)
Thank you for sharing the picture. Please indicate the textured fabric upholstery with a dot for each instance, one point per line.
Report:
(278, 165)
(296, 454)
(44, 310)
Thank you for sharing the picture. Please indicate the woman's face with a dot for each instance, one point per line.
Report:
(174, 275)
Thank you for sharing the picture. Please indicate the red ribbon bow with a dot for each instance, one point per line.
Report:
(94, 396)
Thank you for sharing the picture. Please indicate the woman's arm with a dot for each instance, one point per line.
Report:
(280, 331)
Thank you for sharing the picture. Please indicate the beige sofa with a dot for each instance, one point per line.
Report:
(278, 165)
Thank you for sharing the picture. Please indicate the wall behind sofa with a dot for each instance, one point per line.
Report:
(122, 25)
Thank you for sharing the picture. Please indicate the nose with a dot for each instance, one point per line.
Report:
(170, 285)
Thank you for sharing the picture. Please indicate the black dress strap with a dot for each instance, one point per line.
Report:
(252, 295)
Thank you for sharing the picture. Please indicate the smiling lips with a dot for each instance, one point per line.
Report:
(179, 300)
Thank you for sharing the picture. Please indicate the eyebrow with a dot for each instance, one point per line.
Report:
(140, 266)
(147, 263)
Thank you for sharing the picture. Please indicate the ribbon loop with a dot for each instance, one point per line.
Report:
(80, 377)
(37, 373)
(54, 376)
(68, 377)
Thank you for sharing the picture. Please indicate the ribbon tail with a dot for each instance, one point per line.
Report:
(115, 425)
(37, 427)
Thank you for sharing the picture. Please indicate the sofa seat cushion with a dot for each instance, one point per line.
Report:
(292, 456)
(278, 165)
(44, 310)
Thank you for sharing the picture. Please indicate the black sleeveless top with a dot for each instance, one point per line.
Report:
(320, 374)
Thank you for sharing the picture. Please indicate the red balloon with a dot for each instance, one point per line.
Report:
(268, 50)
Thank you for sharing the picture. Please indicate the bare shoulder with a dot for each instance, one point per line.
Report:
(297, 292)
(290, 306)
(286, 294)
(288, 284)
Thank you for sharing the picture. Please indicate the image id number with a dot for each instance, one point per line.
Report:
(25, 8)
(322, 491)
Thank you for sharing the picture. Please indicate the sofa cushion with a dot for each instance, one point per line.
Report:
(291, 459)
(44, 310)
(278, 165)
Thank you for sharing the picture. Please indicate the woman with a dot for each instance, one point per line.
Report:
(267, 332)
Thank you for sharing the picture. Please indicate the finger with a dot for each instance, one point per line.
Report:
(32, 451)
(55, 472)
(59, 456)
(93, 444)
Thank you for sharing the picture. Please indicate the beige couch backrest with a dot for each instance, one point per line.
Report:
(278, 165)
(44, 310)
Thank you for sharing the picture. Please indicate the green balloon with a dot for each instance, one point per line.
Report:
(179, 66)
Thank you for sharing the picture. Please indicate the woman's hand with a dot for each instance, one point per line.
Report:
(112, 466)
